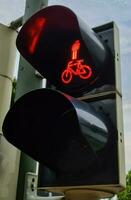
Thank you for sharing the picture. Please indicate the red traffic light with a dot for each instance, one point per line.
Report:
(66, 52)
(75, 66)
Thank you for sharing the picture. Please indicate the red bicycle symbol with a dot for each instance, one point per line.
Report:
(75, 66)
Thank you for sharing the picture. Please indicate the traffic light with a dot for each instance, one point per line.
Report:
(66, 52)
(75, 130)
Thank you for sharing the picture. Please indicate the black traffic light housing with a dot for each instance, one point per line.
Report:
(66, 52)
(78, 141)
(73, 142)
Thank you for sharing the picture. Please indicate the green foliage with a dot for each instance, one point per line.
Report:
(126, 194)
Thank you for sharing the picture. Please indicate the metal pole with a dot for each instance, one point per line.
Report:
(27, 81)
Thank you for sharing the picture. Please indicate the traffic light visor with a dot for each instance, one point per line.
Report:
(55, 128)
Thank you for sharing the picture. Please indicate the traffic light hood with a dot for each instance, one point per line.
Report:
(58, 131)
(63, 49)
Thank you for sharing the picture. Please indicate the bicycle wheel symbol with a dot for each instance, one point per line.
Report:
(85, 72)
(66, 76)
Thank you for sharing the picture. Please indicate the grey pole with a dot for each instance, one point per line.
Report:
(27, 81)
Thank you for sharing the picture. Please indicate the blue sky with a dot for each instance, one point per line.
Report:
(95, 13)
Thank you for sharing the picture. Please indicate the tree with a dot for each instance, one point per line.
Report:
(126, 194)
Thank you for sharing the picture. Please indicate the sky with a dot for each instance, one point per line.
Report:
(95, 13)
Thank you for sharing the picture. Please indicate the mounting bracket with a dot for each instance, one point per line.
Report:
(30, 190)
